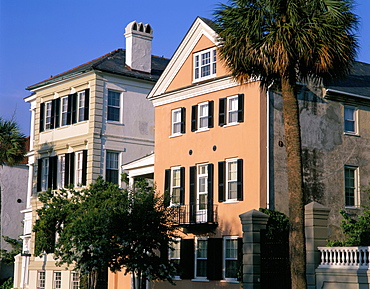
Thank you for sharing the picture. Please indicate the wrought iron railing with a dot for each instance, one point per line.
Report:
(190, 214)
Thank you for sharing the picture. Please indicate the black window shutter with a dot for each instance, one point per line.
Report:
(183, 118)
(74, 108)
(210, 113)
(57, 113)
(240, 258)
(69, 109)
(66, 172)
(52, 177)
(210, 194)
(84, 167)
(192, 189)
(71, 168)
(222, 112)
(52, 116)
(39, 174)
(87, 104)
(194, 117)
(240, 180)
(187, 258)
(182, 186)
(167, 187)
(42, 116)
(221, 181)
(163, 252)
(240, 107)
(214, 259)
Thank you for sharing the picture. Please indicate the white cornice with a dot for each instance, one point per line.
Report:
(193, 91)
(196, 31)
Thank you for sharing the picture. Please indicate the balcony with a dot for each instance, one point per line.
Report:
(194, 219)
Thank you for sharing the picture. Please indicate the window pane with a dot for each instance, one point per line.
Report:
(202, 249)
(113, 105)
(231, 248)
(231, 269)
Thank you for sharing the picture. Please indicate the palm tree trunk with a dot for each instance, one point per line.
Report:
(297, 246)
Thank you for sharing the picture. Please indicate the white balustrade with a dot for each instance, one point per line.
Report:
(344, 257)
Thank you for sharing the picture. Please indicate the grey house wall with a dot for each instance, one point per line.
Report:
(326, 149)
(13, 189)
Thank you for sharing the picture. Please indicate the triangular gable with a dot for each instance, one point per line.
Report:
(198, 30)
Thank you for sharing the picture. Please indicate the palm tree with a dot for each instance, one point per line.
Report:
(287, 41)
(12, 143)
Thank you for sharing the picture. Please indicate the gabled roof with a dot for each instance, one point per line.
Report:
(356, 83)
(201, 26)
(113, 62)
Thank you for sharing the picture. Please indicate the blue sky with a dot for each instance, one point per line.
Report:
(40, 38)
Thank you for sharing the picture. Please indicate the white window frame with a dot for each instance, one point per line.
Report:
(41, 279)
(78, 168)
(203, 115)
(75, 280)
(354, 188)
(109, 162)
(63, 110)
(352, 119)
(225, 258)
(229, 181)
(175, 186)
(57, 280)
(48, 106)
(175, 253)
(115, 106)
(232, 110)
(81, 106)
(197, 241)
(62, 170)
(176, 116)
(44, 174)
(201, 62)
(201, 207)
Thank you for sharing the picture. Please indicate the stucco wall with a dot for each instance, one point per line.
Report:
(13, 187)
(326, 149)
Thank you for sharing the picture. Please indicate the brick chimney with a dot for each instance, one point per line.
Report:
(139, 46)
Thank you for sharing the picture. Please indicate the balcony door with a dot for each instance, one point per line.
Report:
(202, 193)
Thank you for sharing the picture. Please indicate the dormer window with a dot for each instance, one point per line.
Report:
(205, 64)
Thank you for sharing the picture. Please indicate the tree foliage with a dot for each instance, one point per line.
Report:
(104, 226)
(12, 143)
(8, 256)
(356, 229)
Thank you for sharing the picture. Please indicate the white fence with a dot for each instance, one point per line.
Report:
(344, 257)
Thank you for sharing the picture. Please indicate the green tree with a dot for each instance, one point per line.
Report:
(288, 41)
(12, 143)
(105, 227)
(8, 256)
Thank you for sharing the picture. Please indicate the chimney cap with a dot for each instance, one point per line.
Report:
(139, 27)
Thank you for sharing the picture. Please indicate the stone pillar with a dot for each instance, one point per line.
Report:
(316, 229)
(252, 223)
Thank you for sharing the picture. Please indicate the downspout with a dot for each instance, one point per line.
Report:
(268, 146)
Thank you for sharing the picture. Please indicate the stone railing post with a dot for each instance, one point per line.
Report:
(252, 223)
(316, 229)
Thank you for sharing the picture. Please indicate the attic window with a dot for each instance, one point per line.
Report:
(205, 64)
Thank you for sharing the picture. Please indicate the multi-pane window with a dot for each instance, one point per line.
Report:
(81, 106)
(40, 279)
(231, 179)
(79, 165)
(176, 121)
(48, 115)
(64, 110)
(232, 109)
(113, 105)
(75, 280)
(200, 258)
(202, 189)
(230, 257)
(44, 174)
(62, 171)
(350, 186)
(175, 186)
(174, 252)
(205, 64)
(350, 119)
(57, 280)
(111, 173)
(203, 115)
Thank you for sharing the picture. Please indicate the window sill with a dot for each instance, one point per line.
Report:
(352, 207)
(231, 124)
(175, 135)
(115, 122)
(202, 130)
(231, 202)
(229, 281)
(351, 133)
(200, 280)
